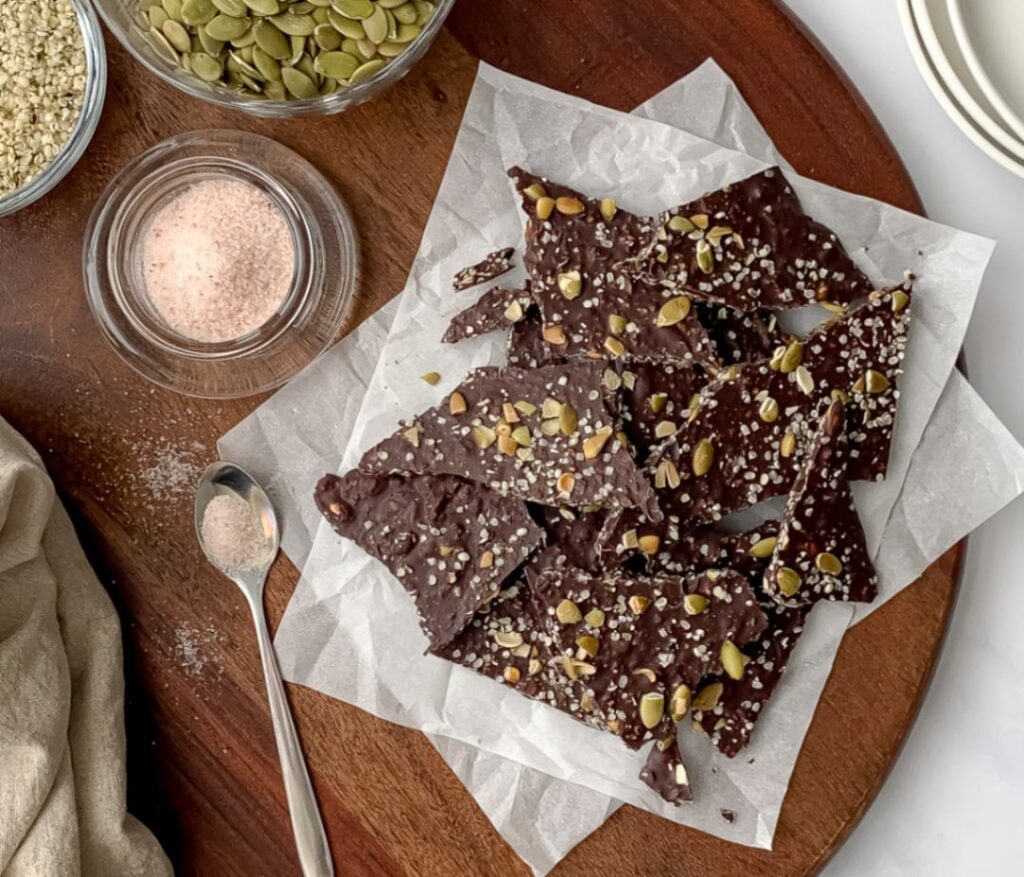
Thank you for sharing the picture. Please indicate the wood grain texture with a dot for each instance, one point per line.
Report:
(202, 763)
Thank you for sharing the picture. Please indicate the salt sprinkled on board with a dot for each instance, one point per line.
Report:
(192, 647)
(217, 260)
(232, 535)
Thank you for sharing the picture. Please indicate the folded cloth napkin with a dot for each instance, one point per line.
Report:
(62, 742)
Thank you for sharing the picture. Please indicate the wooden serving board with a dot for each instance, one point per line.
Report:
(202, 764)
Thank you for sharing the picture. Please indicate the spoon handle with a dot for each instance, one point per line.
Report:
(310, 839)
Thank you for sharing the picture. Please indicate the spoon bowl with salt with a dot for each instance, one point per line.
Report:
(238, 532)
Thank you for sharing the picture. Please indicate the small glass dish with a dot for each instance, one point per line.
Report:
(306, 321)
(127, 22)
(88, 117)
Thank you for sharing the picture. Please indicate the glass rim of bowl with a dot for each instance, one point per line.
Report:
(322, 105)
(86, 124)
(305, 322)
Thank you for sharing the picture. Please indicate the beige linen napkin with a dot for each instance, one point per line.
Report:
(62, 743)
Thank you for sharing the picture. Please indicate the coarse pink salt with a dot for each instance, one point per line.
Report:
(217, 260)
(232, 534)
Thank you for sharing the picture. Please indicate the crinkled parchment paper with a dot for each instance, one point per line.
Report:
(346, 614)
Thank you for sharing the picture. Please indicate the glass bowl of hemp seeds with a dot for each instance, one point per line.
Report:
(53, 76)
(277, 58)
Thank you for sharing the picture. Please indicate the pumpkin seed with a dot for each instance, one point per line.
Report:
(681, 224)
(569, 206)
(365, 71)
(508, 639)
(176, 35)
(703, 457)
(679, 705)
(595, 618)
(250, 82)
(360, 9)
(638, 603)
(226, 27)
(608, 208)
(788, 580)
(899, 301)
(828, 563)
(617, 324)
(298, 83)
(694, 604)
(614, 347)
(376, 26)
(264, 7)
(593, 446)
(657, 402)
(570, 284)
(792, 357)
(664, 429)
(294, 25)
(234, 8)
(196, 12)
(275, 90)
(347, 27)
(457, 403)
(707, 698)
(337, 65)
(568, 419)
(568, 612)
(788, 445)
(700, 220)
(732, 660)
(705, 256)
(424, 11)
(432, 378)
(172, 8)
(271, 40)
(769, 410)
(327, 38)
(245, 40)
(163, 48)
(804, 380)
(545, 206)
(157, 16)
(875, 382)
(511, 674)
(589, 645)
(764, 547)
(209, 45)
(405, 33)
(675, 310)
(652, 708)
(238, 64)
(649, 544)
(207, 68)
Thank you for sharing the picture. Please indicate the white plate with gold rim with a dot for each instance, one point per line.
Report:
(988, 33)
(957, 113)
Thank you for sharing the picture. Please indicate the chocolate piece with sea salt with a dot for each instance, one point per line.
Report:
(491, 266)
(611, 650)
(740, 337)
(450, 543)
(574, 535)
(547, 435)
(526, 348)
(821, 552)
(751, 246)
(753, 427)
(664, 771)
(497, 308)
(590, 306)
(730, 718)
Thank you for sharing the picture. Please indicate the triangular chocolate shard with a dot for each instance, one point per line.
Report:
(821, 553)
(498, 308)
(449, 542)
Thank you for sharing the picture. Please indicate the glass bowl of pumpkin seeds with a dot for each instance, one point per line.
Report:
(53, 77)
(277, 57)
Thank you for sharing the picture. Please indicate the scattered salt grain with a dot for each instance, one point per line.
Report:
(217, 260)
(197, 650)
(232, 534)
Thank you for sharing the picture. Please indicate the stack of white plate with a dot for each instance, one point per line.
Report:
(971, 53)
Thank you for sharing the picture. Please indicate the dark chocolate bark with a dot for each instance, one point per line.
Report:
(730, 720)
(498, 308)
(751, 246)
(450, 543)
(492, 265)
(664, 770)
(821, 552)
(526, 348)
(740, 337)
(547, 435)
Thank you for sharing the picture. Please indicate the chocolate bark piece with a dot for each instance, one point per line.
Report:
(670, 547)
(588, 304)
(492, 265)
(633, 640)
(751, 246)
(754, 425)
(730, 720)
(740, 337)
(497, 308)
(573, 537)
(547, 435)
(526, 347)
(821, 553)
(655, 400)
(664, 770)
(450, 543)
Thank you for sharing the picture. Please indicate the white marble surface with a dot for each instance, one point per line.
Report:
(952, 804)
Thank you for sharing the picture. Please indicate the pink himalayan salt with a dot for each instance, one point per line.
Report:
(232, 533)
(218, 260)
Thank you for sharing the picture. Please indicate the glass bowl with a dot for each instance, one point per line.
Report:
(306, 321)
(126, 22)
(88, 117)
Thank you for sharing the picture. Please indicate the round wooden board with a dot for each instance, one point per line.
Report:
(202, 763)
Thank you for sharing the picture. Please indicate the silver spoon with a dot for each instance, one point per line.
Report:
(310, 839)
